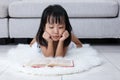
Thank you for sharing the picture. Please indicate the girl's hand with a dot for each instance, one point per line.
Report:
(65, 35)
(46, 36)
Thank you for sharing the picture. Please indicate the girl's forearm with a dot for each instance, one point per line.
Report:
(76, 41)
(60, 51)
(49, 50)
(32, 42)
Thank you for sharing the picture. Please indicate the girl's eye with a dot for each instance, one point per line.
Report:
(60, 27)
(51, 27)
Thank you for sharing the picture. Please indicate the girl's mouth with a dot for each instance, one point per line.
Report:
(55, 37)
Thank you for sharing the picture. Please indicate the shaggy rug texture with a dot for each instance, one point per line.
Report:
(84, 58)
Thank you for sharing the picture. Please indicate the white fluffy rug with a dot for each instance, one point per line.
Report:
(84, 59)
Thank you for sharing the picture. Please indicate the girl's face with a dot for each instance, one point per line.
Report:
(55, 30)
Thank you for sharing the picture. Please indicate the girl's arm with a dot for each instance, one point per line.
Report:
(61, 50)
(48, 51)
(32, 42)
(76, 40)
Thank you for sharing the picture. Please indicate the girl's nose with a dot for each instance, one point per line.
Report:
(56, 30)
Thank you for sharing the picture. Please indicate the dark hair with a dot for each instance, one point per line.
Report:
(56, 12)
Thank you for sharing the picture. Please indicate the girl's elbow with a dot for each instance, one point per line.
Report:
(60, 55)
(48, 55)
(79, 45)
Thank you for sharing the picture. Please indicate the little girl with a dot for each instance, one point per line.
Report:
(54, 34)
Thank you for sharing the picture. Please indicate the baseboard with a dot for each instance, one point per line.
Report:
(92, 41)
(101, 41)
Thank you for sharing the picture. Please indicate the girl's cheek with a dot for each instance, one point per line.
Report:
(62, 32)
(49, 31)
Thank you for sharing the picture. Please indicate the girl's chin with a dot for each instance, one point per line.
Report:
(55, 39)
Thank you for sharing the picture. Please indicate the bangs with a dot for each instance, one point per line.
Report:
(57, 19)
